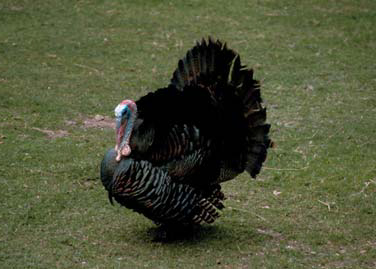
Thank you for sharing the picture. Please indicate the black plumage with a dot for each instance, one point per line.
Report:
(206, 127)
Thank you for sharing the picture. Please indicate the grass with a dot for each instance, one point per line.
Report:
(63, 62)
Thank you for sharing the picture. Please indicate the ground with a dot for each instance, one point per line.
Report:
(65, 65)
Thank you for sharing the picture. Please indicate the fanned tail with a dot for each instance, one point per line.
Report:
(206, 64)
(258, 141)
(212, 66)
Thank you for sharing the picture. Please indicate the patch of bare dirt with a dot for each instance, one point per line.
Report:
(51, 133)
(99, 121)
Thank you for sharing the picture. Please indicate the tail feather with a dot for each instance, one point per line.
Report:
(204, 64)
(256, 117)
(214, 67)
(255, 157)
(258, 142)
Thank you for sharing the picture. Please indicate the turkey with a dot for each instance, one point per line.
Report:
(176, 145)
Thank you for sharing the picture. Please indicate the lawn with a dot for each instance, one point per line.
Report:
(65, 65)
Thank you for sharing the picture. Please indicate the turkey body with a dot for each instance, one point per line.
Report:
(206, 127)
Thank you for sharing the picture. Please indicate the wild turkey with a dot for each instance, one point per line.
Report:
(176, 145)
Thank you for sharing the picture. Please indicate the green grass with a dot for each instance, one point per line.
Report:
(63, 62)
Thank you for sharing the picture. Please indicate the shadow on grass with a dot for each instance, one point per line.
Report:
(171, 234)
(192, 235)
